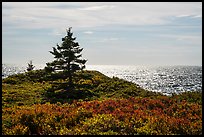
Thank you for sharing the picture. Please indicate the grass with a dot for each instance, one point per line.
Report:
(37, 87)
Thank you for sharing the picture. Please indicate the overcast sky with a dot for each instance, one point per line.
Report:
(111, 33)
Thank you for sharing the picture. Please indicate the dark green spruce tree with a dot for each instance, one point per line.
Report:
(30, 66)
(67, 57)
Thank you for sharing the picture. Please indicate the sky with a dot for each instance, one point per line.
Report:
(110, 33)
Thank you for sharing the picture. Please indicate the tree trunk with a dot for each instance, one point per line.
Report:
(70, 76)
(70, 80)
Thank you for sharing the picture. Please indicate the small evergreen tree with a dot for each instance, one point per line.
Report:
(67, 57)
(30, 66)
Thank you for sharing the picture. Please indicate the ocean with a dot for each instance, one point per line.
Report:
(165, 79)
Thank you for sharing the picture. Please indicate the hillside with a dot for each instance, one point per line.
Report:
(39, 103)
(38, 87)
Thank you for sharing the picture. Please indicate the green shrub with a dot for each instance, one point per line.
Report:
(101, 124)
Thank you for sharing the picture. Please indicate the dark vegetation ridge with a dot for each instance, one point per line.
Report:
(37, 86)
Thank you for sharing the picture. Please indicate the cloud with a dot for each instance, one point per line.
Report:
(56, 33)
(184, 38)
(184, 15)
(189, 15)
(197, 16)
(108, 39)
(189, 38)
(88, 32)
(95, 14)
(99, 7)
(113, 39)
